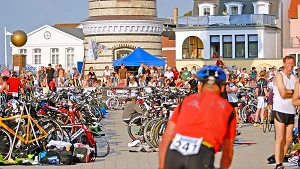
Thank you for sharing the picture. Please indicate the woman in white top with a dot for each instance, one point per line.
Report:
(132, 83)
(106, 72)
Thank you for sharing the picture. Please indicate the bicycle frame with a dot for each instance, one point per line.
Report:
(85, 130)
(71, 114)
(30, 120)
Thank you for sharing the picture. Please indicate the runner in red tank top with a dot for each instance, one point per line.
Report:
(199, 126)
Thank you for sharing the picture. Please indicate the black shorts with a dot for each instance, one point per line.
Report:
(234, 104)
(283, 117)
(204, 159)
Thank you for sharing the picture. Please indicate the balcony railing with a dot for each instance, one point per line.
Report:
(227, 20)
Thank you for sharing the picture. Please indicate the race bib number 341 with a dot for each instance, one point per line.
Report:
(186, 145)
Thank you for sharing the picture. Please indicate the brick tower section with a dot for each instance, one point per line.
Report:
(121, 26)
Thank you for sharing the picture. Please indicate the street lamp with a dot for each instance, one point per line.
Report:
(6, 33)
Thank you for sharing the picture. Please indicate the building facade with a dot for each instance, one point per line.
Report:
(243, 29)
(292, 45)
(55, 45)
(121, 26)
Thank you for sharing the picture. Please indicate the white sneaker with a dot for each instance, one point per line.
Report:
(134, 143)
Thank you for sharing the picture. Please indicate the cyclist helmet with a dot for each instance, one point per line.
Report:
(14, 73)
(232, 76)
(212, 74)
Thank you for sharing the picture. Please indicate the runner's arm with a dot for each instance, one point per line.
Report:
(284, 93)
(227, 147)
(227, 154)
(4, 87)
(164, 145)
(168, 137)
(22, 89)
(256, 91)
(296, 100)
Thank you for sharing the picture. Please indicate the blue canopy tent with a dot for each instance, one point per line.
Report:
(139, 56)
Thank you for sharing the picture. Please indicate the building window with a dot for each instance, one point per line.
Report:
(234, 8)
(240, 46)
(227, 46)
(206, 9)
(214, 46)
(70, 57)
(54, 56)
(37, 56)
(192, 48)
(261, 7)
(23, 51)
(253, 46)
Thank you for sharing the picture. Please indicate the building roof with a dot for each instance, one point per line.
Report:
(247, 7)
(120, 17)
(293, 11)
(68, 25)
(77, 32)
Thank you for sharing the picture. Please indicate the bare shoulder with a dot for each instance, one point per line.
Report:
(278, 75)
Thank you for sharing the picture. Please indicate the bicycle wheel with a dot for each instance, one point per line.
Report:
(102, 147)
(148, 136)
(5, 144)
(248, 110)
(54, 130)
(113, 103)
(158, 131)
(135, 127)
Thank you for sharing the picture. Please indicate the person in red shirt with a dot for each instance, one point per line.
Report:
(52, 85)
(14, 84)
(199, 126)
(220, 62)
(176, 73)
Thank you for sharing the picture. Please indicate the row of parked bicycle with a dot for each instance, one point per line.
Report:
(53, 122)
(159, 104)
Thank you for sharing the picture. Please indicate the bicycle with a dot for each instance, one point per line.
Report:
(91, 138)
(28, 132)
(267, 120)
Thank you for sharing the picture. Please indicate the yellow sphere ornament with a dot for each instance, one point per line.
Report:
(19, 38)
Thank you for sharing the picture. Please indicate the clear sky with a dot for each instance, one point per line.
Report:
(28, 15)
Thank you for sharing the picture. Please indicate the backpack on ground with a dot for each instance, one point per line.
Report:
(83, 153)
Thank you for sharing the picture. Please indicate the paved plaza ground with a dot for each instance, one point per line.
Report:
(245, 157)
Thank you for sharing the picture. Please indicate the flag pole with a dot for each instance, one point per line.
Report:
(5, 48)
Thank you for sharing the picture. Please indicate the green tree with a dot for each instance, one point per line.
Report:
(190, 13)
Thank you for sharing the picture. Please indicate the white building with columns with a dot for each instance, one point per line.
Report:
(53, 44)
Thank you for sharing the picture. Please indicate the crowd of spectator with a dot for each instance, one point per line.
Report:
(50, 77)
